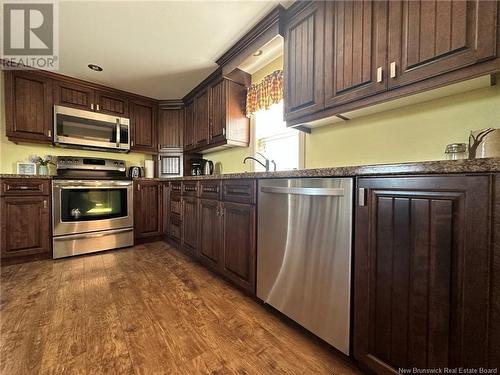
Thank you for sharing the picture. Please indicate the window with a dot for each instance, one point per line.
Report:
(275, 141)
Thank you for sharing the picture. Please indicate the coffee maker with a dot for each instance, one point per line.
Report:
(196, 167)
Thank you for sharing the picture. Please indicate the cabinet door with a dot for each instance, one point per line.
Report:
(143, 120)
(190, 224)
(239, 251)
(25, 227)
(202, 117)
(218, 112)
(170, 128)
(428, 38)
(28, 106)
(147, 209)
(111, 103)
(72, 95)
(210, 232)
(189, 141)
(355, 50)
(165, 200)
(421, 273)
(494, 353)
(303, 61)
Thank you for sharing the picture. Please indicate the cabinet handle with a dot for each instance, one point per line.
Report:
(217, 211)
(45, 203)
(92, 106)
(131, 143)
(97, 107)
(379, 74)
(393, 69)
(138, 187)
(361, 197)
(49, 133)
(223, 131)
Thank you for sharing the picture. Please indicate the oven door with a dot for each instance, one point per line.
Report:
(88, 206)
(91, 130)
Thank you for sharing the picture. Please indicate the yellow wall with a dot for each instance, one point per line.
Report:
(10, 153)
(232, 159)
(417, 132)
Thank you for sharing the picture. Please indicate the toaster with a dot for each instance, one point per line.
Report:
(135, 172)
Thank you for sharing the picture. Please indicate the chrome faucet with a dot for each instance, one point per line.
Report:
(266, 164)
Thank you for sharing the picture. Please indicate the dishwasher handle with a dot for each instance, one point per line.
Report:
(334, 192)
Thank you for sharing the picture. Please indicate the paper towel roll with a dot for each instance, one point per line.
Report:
(149, 168)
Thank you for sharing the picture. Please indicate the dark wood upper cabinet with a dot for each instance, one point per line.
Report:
(111, 103)
(303, 61)
(189, 123)
(74, 95)
(355, 50)
(147, 209)
(428, 38)
(170, 128)
(228, 122)
(143, 120)
(190, 224)
(28, 107)
(202, 117)
(210, 232)
(422, 273)
(25, 217)
(239, 249)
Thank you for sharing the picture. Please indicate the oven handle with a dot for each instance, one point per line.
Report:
(92, 185)
(92, 235)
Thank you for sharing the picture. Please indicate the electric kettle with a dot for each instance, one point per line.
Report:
(208, 168)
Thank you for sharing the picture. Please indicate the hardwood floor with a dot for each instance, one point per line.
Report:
(144, 310)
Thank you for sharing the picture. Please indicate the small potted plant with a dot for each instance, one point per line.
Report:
(43, 163)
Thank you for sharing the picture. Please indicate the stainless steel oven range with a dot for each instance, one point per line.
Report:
(92, 204)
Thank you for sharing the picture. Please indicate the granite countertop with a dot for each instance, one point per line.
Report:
(429, 167)
(7, 175)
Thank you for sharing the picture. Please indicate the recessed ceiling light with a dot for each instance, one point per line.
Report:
(95, 67)
(258, 53)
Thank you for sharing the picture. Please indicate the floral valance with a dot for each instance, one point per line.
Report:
(264, 94)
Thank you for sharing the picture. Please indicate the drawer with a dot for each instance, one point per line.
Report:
(175, 229)
(25, 186)
(210, 189)
(239, 191)
(175, 205)
(190, 188)
(176, 186)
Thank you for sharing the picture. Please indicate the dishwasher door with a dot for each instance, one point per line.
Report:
(304, 253)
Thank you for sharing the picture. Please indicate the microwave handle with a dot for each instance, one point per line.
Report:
(117, 132)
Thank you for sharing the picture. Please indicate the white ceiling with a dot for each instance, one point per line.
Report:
(160, 49)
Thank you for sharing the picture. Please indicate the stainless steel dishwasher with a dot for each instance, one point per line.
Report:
(304, 253)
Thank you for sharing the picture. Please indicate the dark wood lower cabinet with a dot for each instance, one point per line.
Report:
(494, 327)
(147, 210)
(210, 229)
(190, 224)
(238, 244)
(422, 274)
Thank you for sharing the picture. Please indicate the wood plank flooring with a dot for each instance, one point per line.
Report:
(144, 310)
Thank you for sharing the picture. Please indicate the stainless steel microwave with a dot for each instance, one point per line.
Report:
(170, 163)
(90, 130)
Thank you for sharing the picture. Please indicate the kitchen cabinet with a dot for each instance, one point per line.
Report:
(25, 218)
(201, 117)
(303, 60)
(190, 224)
(355, 50)
(28, 107)
(430, 38)
(210, 227)
(111, 103)
(170, 128)
(376, 51)
(229, 124)
(74, 95)
(238, 244)
(422, 273)
(147, 209)
(494, 326)
(189, 126)
(143, 121)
